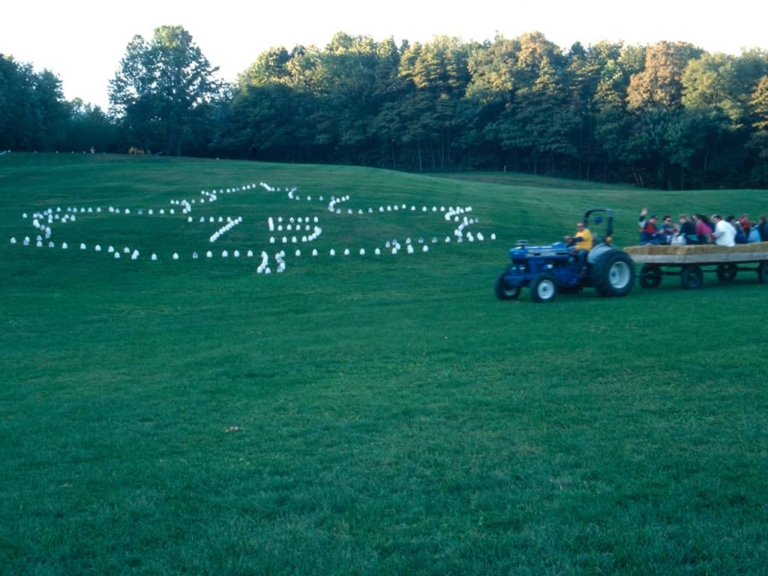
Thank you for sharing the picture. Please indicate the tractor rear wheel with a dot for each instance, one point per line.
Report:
(543, 288)
(504, 291)
(614, 274)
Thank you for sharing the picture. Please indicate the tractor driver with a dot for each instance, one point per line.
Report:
(583, 238)
(582, 242)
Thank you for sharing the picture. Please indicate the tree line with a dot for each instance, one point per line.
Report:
(668, 115)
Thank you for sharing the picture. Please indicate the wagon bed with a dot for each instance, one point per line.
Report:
(691, 262)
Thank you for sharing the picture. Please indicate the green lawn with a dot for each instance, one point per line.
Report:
(362, 414)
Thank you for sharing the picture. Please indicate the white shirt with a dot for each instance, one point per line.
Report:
(724, 234)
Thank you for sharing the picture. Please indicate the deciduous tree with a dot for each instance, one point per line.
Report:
(159, 85)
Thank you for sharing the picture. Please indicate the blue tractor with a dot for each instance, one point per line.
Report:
(547, 270)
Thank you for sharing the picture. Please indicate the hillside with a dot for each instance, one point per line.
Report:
(370, 414)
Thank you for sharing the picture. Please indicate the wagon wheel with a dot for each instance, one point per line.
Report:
(691, 277)
(762, 272)
(650, 276)
(727, 272)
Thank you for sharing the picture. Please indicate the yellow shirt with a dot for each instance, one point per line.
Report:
(586, 242)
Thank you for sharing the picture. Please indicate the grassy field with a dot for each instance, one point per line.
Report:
(361, 414)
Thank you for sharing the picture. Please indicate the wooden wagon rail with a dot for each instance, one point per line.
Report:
(691, 262)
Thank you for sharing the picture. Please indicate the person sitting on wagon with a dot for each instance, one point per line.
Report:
(703, 229)
(667, 229)
(649, 234)
(687, 230)
(746, 225)
(740, 237)
(582, 243)
(724, 233)
(762, 228)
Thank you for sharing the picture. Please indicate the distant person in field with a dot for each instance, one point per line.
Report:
(724, 233)
(582, 242)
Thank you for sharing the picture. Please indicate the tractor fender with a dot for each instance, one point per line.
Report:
(596, 252)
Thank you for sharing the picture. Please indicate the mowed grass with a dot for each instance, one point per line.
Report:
(363, 415)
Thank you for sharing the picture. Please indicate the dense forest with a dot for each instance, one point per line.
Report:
(669, 115)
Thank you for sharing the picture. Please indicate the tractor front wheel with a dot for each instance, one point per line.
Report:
(543, 288)
(504, 291)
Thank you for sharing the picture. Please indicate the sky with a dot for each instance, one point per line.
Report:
(83, 41)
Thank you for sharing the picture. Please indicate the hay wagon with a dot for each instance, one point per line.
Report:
(690, 263)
